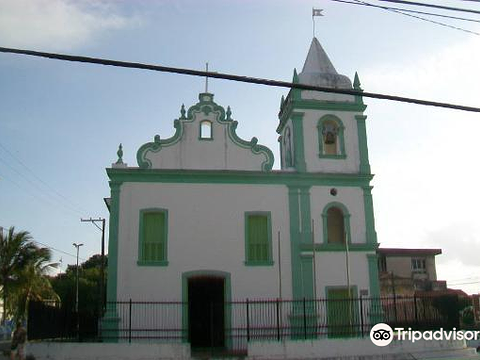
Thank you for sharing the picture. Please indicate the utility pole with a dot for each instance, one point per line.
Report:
(76, 296)
(102, 267)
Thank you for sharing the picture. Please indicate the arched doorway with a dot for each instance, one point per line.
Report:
(206, 310)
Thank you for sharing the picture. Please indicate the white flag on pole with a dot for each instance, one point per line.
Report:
(317, 12)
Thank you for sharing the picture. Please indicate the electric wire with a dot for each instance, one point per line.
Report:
(424, 19)
(405, 10)
(40, 180)
(51, 247)
(443, 7)
(48, 197)
(239, 78)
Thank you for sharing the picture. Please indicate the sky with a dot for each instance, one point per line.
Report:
(61, 123)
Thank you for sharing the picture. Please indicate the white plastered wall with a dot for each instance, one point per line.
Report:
(331, 270)
(351, 198)
(331, 266)
(311, 142)
(219, 153)
(205, 232)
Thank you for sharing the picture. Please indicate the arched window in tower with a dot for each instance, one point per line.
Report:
(206, 130)
(330, 134)
(330, 142)
(287, 145)
(335, 226)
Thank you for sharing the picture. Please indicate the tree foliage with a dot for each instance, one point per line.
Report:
(89, 282)
(23, 272)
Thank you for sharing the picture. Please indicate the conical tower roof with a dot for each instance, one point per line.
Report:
(318, 70)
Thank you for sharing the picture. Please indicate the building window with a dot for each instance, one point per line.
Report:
(153, 237)
(206, 130)
(258, 238)
(382, 264)
(336, 224)
(288, 148)
(419, 265)
(330, 135)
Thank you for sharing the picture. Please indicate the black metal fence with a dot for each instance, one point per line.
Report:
(231, 325)
(56, 321)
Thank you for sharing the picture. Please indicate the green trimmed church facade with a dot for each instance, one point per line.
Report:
(204, 217)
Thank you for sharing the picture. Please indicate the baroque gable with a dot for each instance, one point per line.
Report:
(205, 139)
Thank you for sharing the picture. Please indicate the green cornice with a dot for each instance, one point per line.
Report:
(121, 175)
(291, 104)
(206, 105)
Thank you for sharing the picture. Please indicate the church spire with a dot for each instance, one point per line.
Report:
(317, 60)
(318, 70)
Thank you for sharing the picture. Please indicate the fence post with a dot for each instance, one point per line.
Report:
(395, 307)
(415, 308)
(304, 318)
(211, 328)
(248, 321)
(361, 314)
(130, 321)
(278, 320)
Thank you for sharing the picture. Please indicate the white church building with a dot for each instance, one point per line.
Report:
(203, 218)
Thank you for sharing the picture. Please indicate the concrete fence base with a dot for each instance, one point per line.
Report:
(108, 351)
(359, 349)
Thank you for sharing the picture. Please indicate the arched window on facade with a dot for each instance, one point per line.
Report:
(330, 134)
(288, 148)
(336, 224)
(206, 130)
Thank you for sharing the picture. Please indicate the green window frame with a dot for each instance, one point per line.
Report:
(339, 137)
(153, 237)
(258, 238)
(346, 224)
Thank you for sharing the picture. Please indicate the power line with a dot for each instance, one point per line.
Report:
(48, 197)
(58, 250)
(239, 78)
(40, 180)
(414, 3)
(422, 18)
(48, 246)
(362, 3)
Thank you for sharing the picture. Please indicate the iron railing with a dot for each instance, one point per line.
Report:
(233, 324)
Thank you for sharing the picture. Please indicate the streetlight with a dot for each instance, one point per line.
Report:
(76, 296)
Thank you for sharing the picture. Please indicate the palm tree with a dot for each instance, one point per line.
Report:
(23, 266)
(33, 282)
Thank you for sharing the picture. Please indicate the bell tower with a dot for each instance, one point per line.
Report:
(323, 143)
(323, 132)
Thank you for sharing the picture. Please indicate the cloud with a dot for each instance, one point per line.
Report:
(425, 159)
(458, 242)
(58, 24)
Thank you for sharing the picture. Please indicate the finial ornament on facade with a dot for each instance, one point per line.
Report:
(182, 112)
(295, 76)
(356, 82)
(120, 154)
(229, 113)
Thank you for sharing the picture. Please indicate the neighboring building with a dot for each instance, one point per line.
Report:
(201, 218)
(406, 271)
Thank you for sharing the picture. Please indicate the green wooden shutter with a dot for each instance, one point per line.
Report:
(154, 236)
(258, 238)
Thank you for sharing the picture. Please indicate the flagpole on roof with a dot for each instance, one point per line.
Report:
(315, 12)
